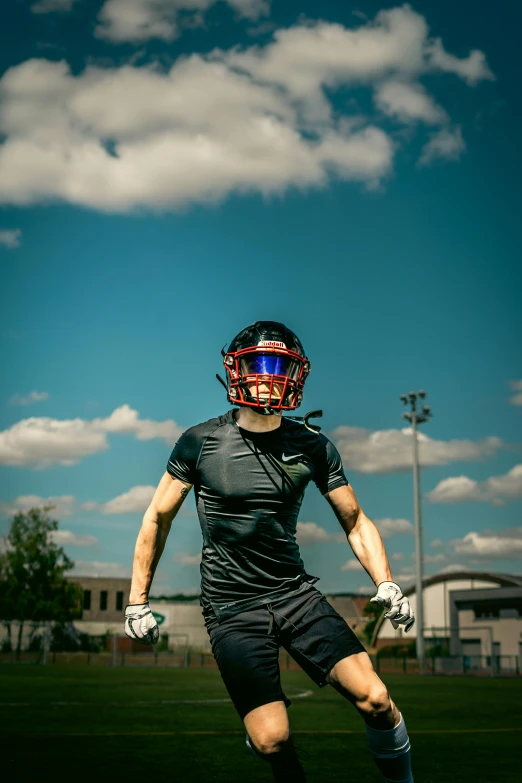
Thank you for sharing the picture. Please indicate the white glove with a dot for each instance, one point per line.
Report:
(399, 611)
(140, 624)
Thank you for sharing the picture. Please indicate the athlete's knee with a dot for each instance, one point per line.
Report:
(376, 701)
(267, 742)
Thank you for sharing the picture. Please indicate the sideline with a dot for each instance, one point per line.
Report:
(241, 732)
(295, 693)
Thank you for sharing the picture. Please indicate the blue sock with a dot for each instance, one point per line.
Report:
(391, 752)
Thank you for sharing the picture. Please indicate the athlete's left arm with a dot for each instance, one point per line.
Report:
(363, 537)
(368, 548)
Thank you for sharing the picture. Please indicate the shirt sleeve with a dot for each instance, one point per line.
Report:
(183, 461)
(329, 472)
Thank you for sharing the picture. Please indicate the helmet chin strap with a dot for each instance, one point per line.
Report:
(266, 411)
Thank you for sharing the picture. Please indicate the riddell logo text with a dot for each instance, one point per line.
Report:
(272, 344)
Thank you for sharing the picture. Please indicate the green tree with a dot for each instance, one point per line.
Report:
(373, 611)
(33, 586)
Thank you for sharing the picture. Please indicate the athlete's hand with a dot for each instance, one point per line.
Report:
(399, 611)
(140, 624)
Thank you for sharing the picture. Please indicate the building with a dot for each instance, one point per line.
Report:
(351, 608)
(103, 604)
(104, 600)
(183, 622)
(472, 612)
(484, 625)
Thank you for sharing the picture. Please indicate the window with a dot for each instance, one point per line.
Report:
(486, 611)
(103, 600)
(86, 600)
(119, 600)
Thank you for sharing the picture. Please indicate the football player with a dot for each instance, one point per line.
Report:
(249, 469)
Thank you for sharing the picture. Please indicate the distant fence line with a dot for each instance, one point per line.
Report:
(187, 658)
(501, 665)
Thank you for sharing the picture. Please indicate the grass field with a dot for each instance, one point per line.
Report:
(103, 724)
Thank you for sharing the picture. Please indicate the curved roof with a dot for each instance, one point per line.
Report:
(503, 580)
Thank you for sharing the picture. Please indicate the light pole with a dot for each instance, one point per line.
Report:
(416, 418)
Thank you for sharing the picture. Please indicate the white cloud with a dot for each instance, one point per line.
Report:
(52, 6)
(456, 489)
(306, 57)
(462, 489)
(438, 558)
(390, 451)
(453, 568)
(99, 568)
(472, 69)
(136, 500)
(516, 399)
(508, 485)
(140, 20)
(68, 538)
(185, 559)
(408, 102)
(10, 238)
(41, 442)
(28, 399)
(390, 527)
(64, 505)
(489, 545)
(125, 420)
(405, 577)
(427, 558)
(352, 565)
(445, 144)
(397, 556)
(194, 134)
(437, 542)
(366, 590)
(311, 533)
(258, 119)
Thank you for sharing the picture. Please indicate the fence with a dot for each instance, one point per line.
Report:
(187, 658)
(500, 665)
(41, 647)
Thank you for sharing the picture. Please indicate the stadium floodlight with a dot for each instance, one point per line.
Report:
(416, 418)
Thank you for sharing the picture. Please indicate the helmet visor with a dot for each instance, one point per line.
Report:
(269, 364)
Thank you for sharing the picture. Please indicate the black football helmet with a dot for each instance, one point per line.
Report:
(266, 368)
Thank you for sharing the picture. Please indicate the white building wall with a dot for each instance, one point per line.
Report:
(505, 631)
(436, 608)
(182, 620)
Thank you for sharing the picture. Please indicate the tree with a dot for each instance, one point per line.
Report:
(33, 587)
(373, 611)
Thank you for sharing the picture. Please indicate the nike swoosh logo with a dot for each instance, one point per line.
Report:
(291, 456)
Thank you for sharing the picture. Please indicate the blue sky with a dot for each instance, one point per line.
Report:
(353, 173)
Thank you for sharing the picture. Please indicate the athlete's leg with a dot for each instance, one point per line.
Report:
(355, 679)
(268, 729)
(247, 653)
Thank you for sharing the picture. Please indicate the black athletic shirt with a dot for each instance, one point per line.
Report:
(249, 487)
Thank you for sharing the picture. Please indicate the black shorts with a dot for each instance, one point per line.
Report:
(246, 646)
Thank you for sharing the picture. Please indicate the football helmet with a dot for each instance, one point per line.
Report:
(266, 368)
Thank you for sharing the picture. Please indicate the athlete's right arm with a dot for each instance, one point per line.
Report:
(155, 528)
